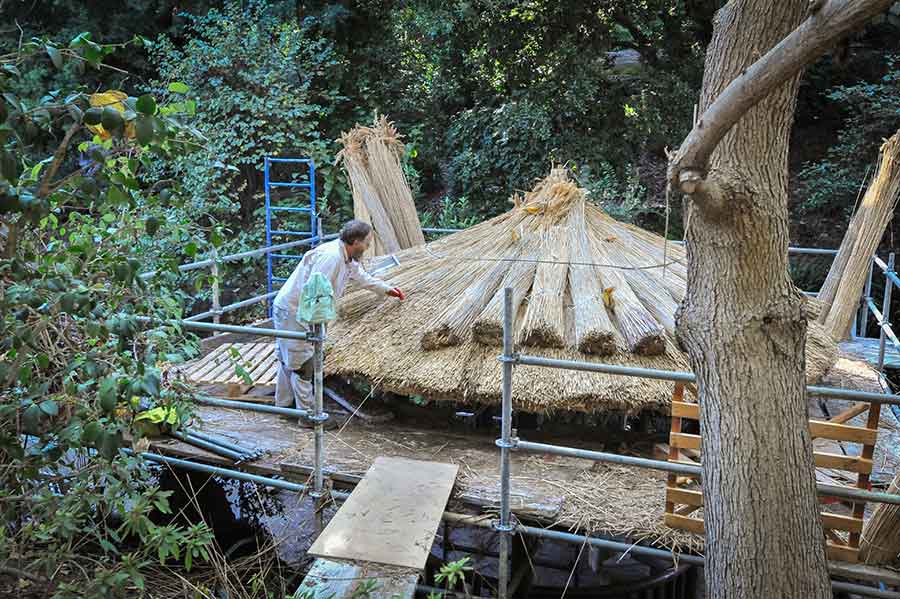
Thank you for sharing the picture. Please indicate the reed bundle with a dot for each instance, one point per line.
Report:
(881, 535)
(594, 331)
(560, 254)
(371, 157)
(842, 288)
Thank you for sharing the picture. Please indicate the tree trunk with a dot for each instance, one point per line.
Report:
(743, 325)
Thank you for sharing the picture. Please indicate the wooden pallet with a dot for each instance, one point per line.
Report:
(222, 366)
(682, 503)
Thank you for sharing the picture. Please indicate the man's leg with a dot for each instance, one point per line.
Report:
(292, 354)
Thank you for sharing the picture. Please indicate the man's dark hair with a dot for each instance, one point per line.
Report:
(355, 230)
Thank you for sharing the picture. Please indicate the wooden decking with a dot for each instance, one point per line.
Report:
(866, 349)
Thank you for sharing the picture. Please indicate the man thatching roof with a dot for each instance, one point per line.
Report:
(586, 287)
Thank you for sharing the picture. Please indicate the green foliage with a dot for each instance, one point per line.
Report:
(833, 183)
(76, 368)
(453, 574)
(257, 83)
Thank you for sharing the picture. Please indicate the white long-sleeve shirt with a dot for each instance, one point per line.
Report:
(331, 260)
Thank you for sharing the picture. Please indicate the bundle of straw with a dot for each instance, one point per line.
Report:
(844, 283)
(594, 331)
(381, 195)
(544, 322)
(881, 535)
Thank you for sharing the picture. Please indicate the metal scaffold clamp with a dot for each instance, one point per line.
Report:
(506, 528)
(512, 443)
(318, 419)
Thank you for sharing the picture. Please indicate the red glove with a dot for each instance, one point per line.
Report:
(395, 292)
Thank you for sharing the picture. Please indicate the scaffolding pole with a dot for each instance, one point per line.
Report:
(319, 417)
(505, 443)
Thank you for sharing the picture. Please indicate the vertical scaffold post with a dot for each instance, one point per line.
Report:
(319, 417)
(216, 294)
(885, 311)
(505, 443)
(864, 303)
(266, 180)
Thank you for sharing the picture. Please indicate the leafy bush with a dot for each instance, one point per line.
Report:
(833, 183)
(76, 369)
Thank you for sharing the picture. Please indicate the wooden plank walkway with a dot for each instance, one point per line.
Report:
(866, 349)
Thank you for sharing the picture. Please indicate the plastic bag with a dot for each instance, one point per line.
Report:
(316, 300)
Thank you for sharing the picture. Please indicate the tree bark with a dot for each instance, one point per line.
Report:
(743, 324)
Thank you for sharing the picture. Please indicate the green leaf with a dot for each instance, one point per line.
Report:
(108, 217)
(190, 249)
(31, 419)
(143, 130)
(92, 116)
(108, 394)
(146, 104)
(43, 361)
(56, 57)
(151, 225)
(178, 87)
(116, 196)
(111, 119)
(90, 433)
(49, 407)
(9, 167)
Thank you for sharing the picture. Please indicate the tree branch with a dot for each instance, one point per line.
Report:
(58, 156)
(828, 21)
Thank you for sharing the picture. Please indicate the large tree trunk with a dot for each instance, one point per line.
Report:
(743, 325)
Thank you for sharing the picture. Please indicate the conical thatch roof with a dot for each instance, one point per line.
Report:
(586, 287)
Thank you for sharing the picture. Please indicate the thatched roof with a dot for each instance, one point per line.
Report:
(586, 287)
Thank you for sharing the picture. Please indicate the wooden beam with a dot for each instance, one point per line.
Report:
(684, 440)
(850, 413)
(841, 553)
(838, 461)
(683, 409)
(684, 523)
(685, 496)
(838, 522)
(842, 432)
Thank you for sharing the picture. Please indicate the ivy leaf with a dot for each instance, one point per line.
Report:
(49, 407)
(178, 87)
(31, 419)
(56, 57)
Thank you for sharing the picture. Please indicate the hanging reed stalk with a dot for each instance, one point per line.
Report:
(544, 322)
(642, 333)
(842, 288)
(488, 326)
(594, 331)
(381, 195)
(881, 534)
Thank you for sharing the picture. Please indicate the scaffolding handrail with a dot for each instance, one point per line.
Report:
(686, 377)
(226, 328)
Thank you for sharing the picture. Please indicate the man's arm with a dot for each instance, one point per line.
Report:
(367, 281)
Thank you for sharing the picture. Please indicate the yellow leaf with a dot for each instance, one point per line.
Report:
(608, 299)
(114, 99)
(515, 235)
(156, 415)
(532, 208)
(610, 239)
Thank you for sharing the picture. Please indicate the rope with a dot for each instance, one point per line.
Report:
(458, 258)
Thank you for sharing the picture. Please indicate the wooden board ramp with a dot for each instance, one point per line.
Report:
(392, 515)
(223, 365)
(380, 539)
(842, 531)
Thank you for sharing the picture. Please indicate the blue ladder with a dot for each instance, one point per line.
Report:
(313, 233)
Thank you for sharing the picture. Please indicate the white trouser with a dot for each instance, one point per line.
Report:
(293, 387)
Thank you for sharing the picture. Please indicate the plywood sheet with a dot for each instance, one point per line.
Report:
(392, 515)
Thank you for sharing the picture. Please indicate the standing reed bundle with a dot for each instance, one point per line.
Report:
(544, 321)
(881, 535)
(844, 283)
(371, 157)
